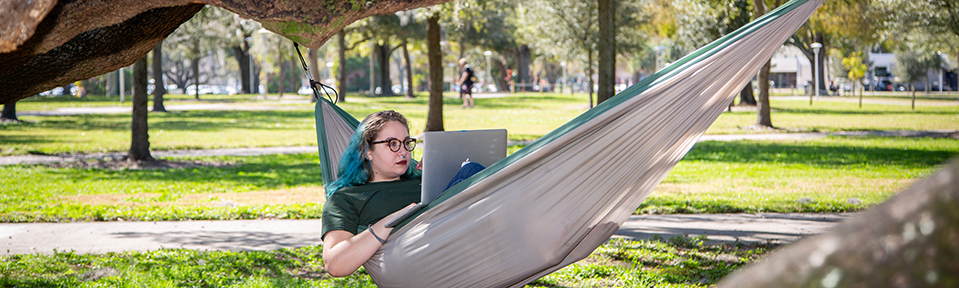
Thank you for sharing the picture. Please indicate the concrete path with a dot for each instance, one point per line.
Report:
(245, 235)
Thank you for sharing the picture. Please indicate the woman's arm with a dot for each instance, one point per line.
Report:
(344, 252)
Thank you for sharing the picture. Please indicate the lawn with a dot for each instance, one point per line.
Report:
(677, 262)
(526, 116)
(833, 174)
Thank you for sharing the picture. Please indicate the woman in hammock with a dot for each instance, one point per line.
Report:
(375, 183)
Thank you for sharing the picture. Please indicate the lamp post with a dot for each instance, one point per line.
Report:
(563, 88)
(815, 71)
(658, 49)
(489, 72)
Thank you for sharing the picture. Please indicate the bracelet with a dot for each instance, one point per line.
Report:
(377, 237)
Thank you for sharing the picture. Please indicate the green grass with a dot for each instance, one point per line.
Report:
(244, 190)
(527, 116)
(798, 116)
(678, 262)
(836, 174)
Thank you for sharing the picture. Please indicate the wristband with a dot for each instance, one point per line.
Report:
(377, 237)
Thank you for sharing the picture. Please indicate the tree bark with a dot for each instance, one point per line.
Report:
(383, 59)
(434, 117)
(243, 59)
(522, 67)
(9, 112)
(763, 118)
(196, 77)
(746, 96)
(341, 74)
(158, 85)
(409, 71)
(607, 50)
(314, 70)
(589, 74)
(140, 140)
(280, 76)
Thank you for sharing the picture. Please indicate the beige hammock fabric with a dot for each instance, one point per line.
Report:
(553, 202)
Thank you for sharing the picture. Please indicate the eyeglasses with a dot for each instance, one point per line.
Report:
(395, 144)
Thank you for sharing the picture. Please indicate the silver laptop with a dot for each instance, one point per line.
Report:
(444, 152)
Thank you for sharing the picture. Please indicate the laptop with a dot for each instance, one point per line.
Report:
(444, 152)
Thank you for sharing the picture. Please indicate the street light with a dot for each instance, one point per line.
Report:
(658, 49)
(330, 65)
(563, 88)
(489, 73)
(815, 71)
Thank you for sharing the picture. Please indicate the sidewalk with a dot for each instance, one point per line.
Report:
(246, 235)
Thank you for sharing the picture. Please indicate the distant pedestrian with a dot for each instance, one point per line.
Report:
(466, 84)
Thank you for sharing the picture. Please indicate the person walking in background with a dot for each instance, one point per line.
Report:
(466, 84)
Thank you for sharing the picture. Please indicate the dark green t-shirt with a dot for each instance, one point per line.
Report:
(354, 208)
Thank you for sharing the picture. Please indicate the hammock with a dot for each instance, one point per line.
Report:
(553, 202)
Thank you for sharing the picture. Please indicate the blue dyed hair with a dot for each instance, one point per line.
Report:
(354, 169)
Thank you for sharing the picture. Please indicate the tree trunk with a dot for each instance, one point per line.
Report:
(500, 81)
(383, 59)
(243, 59)
(589, 74)
(280, 76)
(409, 71)
(913, 89)
(522, 67)
(158, 85)
(9, 112)
(140, 141)
(113, 83)
(607, 50)
(196, 77)
(341, 72)
(763, 118)
(746, 96)
(434, 117)
(314, 70)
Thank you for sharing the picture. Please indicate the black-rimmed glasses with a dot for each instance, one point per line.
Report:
(408, 143)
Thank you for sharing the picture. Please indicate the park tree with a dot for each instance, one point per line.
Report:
(930, 26)
(565, 28)
(913, 66)
(699, 22)
(140, 138)
(200, 36)
(159, 87)
(856, 68)
(434, 115)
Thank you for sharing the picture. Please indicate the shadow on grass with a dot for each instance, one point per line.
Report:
(815, 154)
(196, 120)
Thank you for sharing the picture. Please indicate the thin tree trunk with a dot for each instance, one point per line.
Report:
(280, 76)
(746, 96)
(9, 112)
(314, 70)
(341, 75)
(158, 85)
(140, 140)
(607, 50)
(434, 117)
(522, 68)
(589, 74)
(763, 117)
(409, 71)
(196, 77)
(913, 89)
